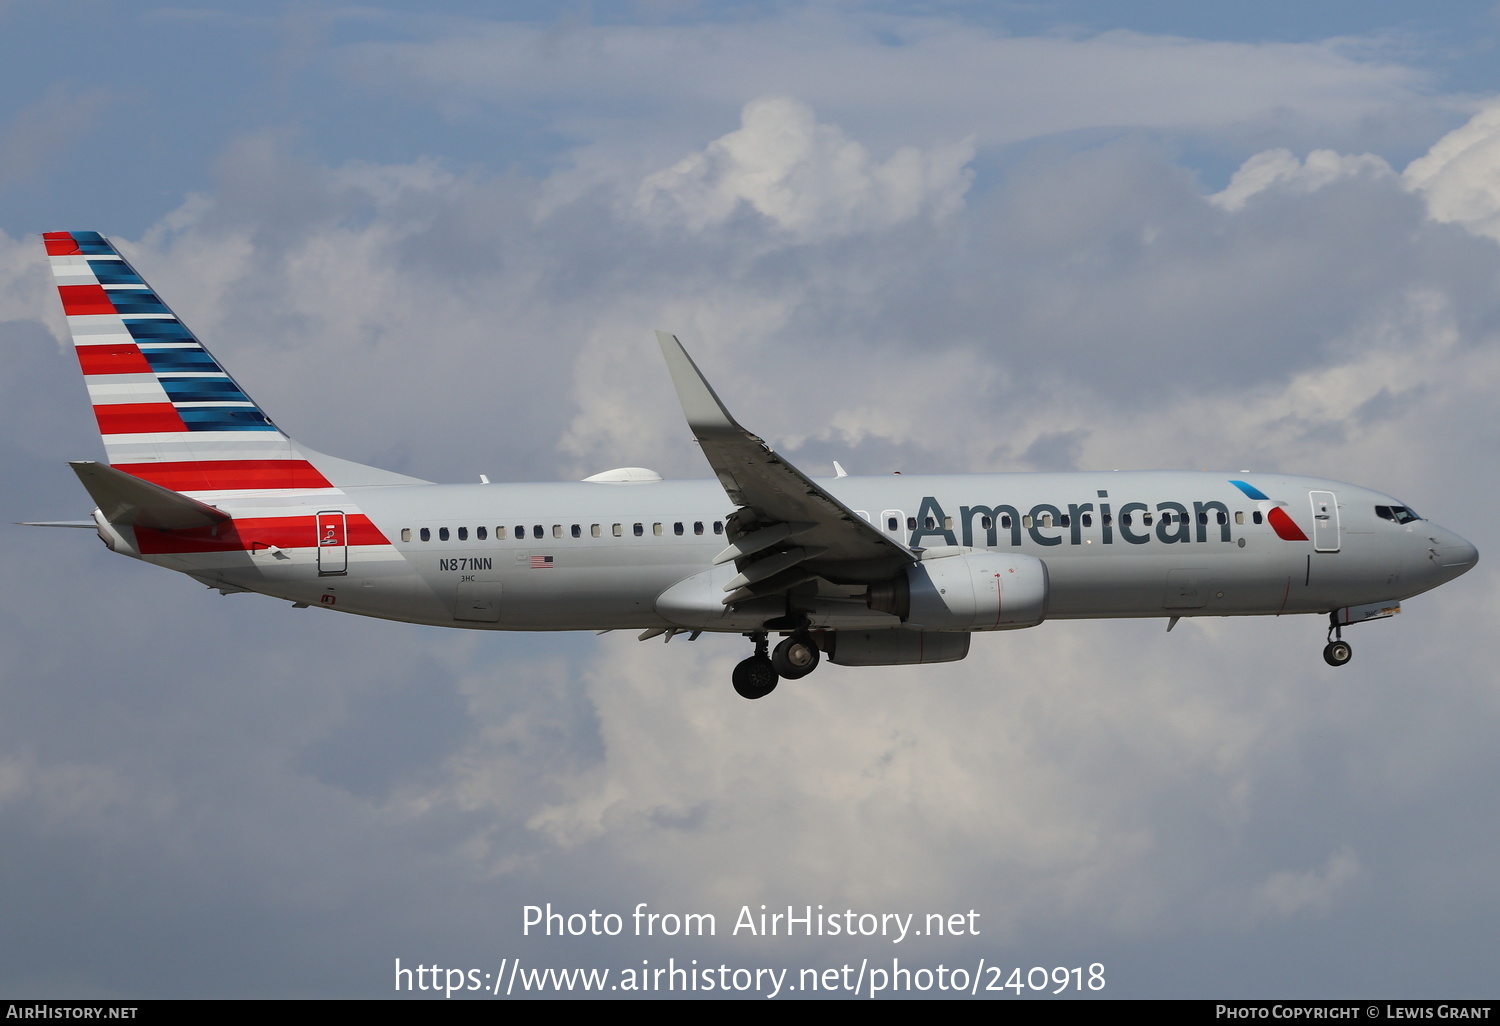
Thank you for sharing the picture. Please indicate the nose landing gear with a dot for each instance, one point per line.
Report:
(1338, 651)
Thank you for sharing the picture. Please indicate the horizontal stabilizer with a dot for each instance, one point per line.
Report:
(127, 500)
(57, 523)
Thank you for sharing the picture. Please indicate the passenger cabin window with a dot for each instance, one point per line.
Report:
(536, 531)
(697, 527)
(499, 534)
(656, 530)
(520, 530)
(718, 527)
(480, 533)
(426, 534)
(1256, 516)
(618, 529)
(463, 534)
(1088, 520)
(406, 534)
(986, 523)
(442, 534)
(640, 530)
(1239, 516)
(677, 528)
(557, 530)
(594, 531)
(577, 530)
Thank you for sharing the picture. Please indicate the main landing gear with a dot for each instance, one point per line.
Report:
(756, 677)
(1338, 651)
(794, 658)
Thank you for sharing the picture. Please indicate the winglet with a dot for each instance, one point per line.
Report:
(704, 410)
(779, 498)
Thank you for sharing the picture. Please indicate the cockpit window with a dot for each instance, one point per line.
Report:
(1399, 514)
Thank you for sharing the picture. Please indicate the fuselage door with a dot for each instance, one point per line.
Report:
(333, 542)
(1325, 511)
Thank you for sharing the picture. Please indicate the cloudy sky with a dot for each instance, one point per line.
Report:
(907, 236)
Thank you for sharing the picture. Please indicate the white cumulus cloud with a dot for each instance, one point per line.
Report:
(808, 178)
(1280, 169)
(1460, 176)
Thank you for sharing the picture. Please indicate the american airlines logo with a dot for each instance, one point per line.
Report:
(1134, 523)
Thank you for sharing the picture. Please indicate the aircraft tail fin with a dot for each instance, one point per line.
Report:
(169, 413)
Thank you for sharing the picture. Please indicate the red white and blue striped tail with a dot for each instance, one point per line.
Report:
(169, 412)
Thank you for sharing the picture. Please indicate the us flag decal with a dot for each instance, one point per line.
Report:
(541, 562)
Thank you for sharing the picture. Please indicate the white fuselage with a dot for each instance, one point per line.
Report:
(584, 556)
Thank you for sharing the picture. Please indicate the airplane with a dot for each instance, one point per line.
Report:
(862, 571)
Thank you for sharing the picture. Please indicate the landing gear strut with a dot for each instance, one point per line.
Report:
(1338, 651)
(756, 677)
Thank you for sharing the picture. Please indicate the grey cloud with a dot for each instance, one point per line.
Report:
(871, 72)
(39, 134)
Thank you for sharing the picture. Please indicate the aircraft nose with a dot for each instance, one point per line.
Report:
(1454, 554)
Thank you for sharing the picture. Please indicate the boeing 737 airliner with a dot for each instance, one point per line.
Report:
(863, 570)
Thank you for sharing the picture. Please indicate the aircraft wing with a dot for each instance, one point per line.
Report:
(788, 529)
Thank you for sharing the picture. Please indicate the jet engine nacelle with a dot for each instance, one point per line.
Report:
(966, 590)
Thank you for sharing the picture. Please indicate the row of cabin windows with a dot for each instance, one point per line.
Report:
(539, 531)
(679, 528)
(1065, 520)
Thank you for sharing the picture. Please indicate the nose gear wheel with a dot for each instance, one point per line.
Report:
(1338, 651)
